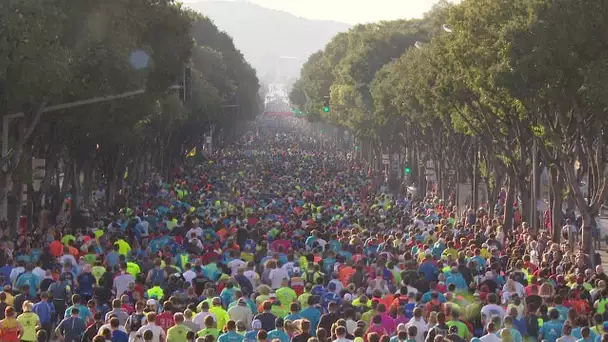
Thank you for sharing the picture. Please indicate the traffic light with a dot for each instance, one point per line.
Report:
(407, 170)
(356, 147)
(326, 104)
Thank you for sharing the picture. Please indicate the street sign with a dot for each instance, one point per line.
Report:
(385, 159)
(38, 172)
(208, 140)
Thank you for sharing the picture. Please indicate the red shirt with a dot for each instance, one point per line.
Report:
(165, 320)
(56, 248)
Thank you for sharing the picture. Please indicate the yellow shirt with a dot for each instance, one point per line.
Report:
(177, 333)
(98, 272)
(123, 247)
(133, 269)
(28, 321)
(9, 298)
(221, 315)
(303, 300)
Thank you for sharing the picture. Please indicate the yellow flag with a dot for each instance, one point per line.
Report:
(192, 152)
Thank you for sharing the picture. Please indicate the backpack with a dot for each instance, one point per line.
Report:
(403, 301)
(135, 321)
(310, 277)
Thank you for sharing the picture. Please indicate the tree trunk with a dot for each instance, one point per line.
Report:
(76, 193)
(508, 218)
(111, 193)
(556, 182)
(87, 183)
(525, 199)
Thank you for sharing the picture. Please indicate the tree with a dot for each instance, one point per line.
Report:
(558, 63)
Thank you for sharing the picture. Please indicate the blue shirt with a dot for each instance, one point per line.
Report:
(113, 258)
(293, 317)
(83, 312)
(85, 283)
(30, 279)
(551, 330)
(231, 336)
(45, 311)
(430, 271)
(119, 336)
(427, 298)
(5, 271)
(250, 336)
(73, 328)
(313, 315)
(278, 334)
(576, 333)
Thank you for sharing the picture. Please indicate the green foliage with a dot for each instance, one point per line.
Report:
(58, 51)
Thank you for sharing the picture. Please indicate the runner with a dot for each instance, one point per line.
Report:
(277, 238)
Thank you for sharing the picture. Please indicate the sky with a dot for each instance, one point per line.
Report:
(348, 11)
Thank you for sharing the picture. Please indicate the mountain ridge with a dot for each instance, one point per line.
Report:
(265, 35)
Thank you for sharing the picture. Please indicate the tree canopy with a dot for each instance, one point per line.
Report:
(485, 80)
(57, 51)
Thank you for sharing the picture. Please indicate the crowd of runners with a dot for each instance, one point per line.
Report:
(274, 239)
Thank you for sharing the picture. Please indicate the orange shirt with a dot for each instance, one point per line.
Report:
(345, 273)
(73, 251)
(9, 330)
(56, 248)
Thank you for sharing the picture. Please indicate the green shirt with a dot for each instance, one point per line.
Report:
(67, 238)
(90, 258)
(286, 295)
(463, 331)
(177, 333)
(209, 331)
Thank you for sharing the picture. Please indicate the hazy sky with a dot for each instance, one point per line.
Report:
(348, 11)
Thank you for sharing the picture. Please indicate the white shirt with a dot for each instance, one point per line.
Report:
(253, 277)
(120, 327)
(235, 265)
(68, 257)
(197, 231)
(276, 277)
(490, 338)
(490, 310)
(189, 275)
(241, 313)
(15, 272)
(351, 326)
(157, 332)
(199, 318)
(39, 272)
(342, 339)
(288, 267)
(121, 283)
(422, 328)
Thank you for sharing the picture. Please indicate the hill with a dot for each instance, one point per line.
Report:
(265, 36)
